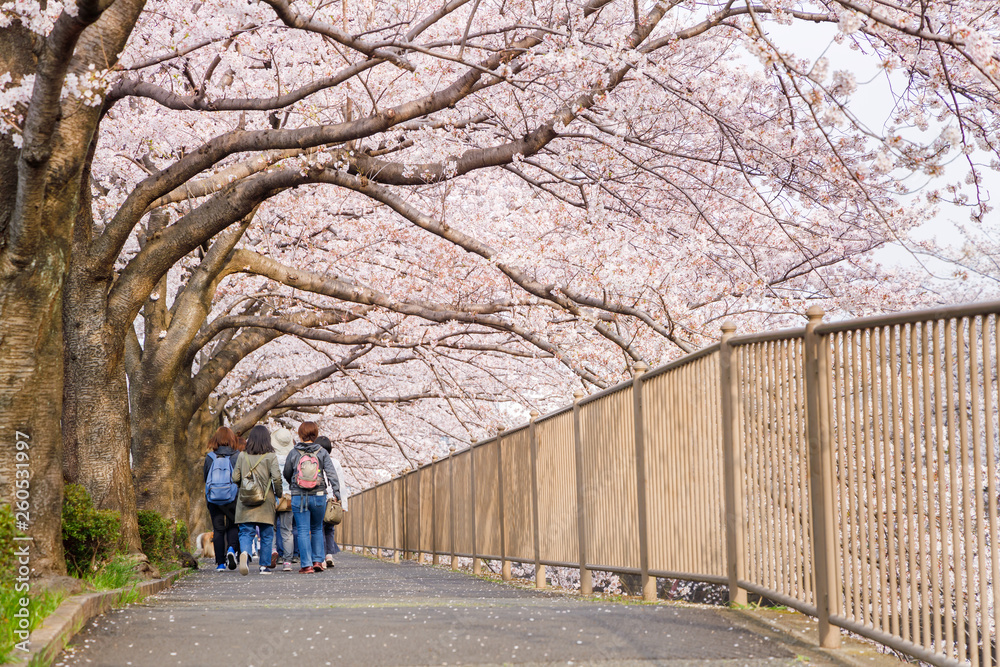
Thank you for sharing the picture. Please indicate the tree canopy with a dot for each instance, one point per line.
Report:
(420, 220)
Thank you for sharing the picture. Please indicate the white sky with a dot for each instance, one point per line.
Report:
(873, 105)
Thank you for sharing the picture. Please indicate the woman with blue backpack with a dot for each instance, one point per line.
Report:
(308, 471)
(256, 473)
(220, 495)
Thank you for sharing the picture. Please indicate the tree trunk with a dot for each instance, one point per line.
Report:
(30, 354)
(192, 445)
(96, 429)
(169, 451)
(158, 473)
(31, 387)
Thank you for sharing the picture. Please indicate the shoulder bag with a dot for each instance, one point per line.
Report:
(334, 512)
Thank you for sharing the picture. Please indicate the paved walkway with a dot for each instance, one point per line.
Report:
(367, 612)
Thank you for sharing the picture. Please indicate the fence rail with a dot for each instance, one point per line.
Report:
(848, 470)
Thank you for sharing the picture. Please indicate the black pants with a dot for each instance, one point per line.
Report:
(225, 533)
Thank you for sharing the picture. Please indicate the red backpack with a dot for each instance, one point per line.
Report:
(307, 471)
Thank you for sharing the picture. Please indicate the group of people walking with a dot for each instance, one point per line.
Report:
(276, 489)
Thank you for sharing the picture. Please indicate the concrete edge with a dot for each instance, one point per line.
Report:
(59, 627)
(799, 632)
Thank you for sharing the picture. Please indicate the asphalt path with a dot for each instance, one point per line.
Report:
(369, 612)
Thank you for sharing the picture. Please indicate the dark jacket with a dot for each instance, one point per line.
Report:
(225, 450)
(325, 464)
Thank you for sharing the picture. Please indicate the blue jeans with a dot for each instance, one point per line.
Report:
(308, 512)
(330, 538)
(248, 531)
(285, 536)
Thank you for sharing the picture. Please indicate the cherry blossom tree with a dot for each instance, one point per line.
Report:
(577, 185)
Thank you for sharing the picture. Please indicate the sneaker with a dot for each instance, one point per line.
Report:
(306, 570)
(231, 558)
(221, 567)
(287, 567)
(329, 560)
(266, 570)
(274, 559)
(244, 570)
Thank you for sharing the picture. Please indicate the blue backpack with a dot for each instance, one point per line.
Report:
(219, 487)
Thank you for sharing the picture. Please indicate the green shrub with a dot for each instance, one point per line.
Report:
(155, 535)
(181, 536)
(161, 538)
(90, 536)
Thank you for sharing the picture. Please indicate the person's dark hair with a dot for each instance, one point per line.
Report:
(308, 431)
(241, 443)
(259, 441)
(325, 443)
(224, 437)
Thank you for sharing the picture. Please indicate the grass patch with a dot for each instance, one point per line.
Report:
(39, 606)
(118, 572)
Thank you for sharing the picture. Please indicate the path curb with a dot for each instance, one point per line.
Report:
(59, 627)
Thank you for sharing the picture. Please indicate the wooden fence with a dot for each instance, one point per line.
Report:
(847, 470)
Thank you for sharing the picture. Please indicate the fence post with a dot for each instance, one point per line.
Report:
(374, 546)
(411, 519)
(416, 476)
(586, 581)
(504, 563)
(451, 503)
(648, 582)
(435, 547)
(398, 500)
(820, 481)
(539, 568)
(732, 465)
(477, 567)
(364, 525)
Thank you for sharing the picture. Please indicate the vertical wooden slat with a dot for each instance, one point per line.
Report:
(932, 622)
(942, 368)
(967, 490)
(586, 580)
(435, 512)
(502, 523)
(785, 519)
(897, 583)
(535, 522)
(476, 565)
(840, 425)
(854, 459)
(990, 371)
(954, 483)
(802, 481)
(878, 454)
(452, 504)
(870, 553)
(771, 508)
(976, 486)
(913, 503)
(755, 466)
